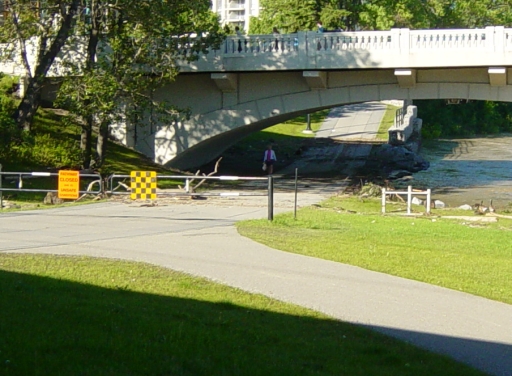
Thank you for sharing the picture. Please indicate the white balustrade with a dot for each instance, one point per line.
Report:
(448, 39)
(508, 39)
(339, 41)
(255, 44)
(491, 46)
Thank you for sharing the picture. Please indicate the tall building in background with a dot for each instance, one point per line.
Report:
(236, 12)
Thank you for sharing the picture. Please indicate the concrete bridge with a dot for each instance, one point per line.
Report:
(256, 81)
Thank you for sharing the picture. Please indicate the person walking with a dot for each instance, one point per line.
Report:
(275, 46)
(269, 158)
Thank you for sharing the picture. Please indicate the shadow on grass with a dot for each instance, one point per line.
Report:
(53, 326)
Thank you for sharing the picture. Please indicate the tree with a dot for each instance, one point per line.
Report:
(42, 27)
(288, 16)
(131, 49)
(294, 15)
(435, 14)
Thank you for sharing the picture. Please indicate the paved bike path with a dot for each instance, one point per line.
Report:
(201, 239)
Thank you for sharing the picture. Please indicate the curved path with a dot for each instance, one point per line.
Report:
(199, 238)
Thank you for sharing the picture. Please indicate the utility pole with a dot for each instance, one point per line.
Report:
(308, 125)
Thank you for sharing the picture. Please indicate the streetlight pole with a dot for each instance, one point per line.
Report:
(308, 125)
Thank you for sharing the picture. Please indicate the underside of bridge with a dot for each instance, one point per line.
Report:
(226, 107)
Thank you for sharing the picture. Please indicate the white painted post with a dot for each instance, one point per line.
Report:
(395, 39)
(409, 199)
(499, 39)
(428, 200)
(383, 200)
(187, 185)
(405, 41)
(489, 38)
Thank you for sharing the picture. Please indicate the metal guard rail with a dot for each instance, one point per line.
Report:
(187, 180)
(270, 187)
(41, 174)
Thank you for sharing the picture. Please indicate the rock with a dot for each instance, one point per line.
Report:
(398, 158)
(438, 204)
(51, 198)
(465, 207)
(416, 201)
(397, 174)
(10, 205)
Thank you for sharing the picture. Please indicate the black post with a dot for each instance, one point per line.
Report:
(308, 125)
(295, 205)
(270, 198)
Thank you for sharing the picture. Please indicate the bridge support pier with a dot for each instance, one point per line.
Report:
(497, 76)
(316, 79)
(406, 78)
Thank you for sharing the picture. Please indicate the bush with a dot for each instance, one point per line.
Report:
(47, 151)
(8, 129)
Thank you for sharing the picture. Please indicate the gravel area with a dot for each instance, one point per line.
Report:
(254, 194)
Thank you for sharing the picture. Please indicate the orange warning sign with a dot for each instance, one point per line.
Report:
(69, 184)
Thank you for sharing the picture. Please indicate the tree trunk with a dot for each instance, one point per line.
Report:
(91, 59)
(28, 106)
(101, 144)
(86, 143)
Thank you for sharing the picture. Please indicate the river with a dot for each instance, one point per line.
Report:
(469, 170)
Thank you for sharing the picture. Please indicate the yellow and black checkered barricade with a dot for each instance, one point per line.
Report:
(143, 185)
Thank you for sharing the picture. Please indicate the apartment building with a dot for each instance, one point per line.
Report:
(236, 12)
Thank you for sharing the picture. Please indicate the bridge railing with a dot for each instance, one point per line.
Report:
(255, 44)
(508, 39)
(484, 38)
(452, 38)
(311, 50)
(365, 40)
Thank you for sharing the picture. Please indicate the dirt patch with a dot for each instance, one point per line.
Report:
(252, 194)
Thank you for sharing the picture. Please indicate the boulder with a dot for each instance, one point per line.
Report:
(390, 159)
(52, 198)
(416, 201)
(438, 204)
(10, 205)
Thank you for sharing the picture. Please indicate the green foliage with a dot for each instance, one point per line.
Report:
(8, 130)
(45, 150)
(288, 16)
(385, 14)
(7, 84)
(293, 15)
(464, 119)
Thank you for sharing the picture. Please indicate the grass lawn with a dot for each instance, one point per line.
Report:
(387, 122)
(457, 254)
(85, 316)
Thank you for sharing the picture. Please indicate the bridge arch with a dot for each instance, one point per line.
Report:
(229, 106)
